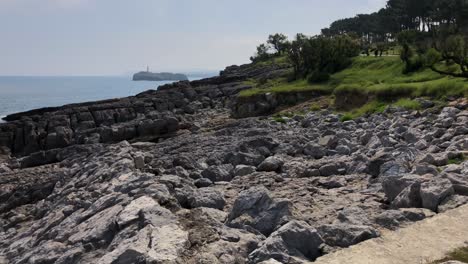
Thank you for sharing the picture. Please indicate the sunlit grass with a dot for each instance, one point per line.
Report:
(408, 104)
(282, 86)
(379, 77)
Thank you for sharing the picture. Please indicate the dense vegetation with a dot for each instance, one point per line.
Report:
(427, 33)
(380, 77)
(425, 43)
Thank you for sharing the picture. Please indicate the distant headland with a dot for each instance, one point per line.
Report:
(162, 76)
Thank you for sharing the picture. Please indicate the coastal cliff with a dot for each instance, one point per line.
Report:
(179, 175)
(162, 76)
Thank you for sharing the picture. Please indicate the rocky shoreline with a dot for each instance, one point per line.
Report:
(170, 176)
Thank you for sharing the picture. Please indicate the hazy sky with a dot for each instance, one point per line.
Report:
(113, 37)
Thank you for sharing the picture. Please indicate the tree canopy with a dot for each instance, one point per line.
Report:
(428, 33)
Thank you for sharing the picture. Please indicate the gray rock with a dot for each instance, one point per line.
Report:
(376, 162)
(295, 240)
(271, 164)
(410, 197)
(394, 185)
(452, 202)
(162, 244)
(315, 151)
(207, 197)
(131, 212)
(218, 173)
(330, 141)
(434, 192)
(343, 150)
(333, 182)
(332, 169)
(394, 168)
(423, 169)
(203, 182)
(353, 216)
(243, 170)
(255, 208)
(98, 229)
(343, 235)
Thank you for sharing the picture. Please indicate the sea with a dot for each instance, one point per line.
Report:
(23, 93)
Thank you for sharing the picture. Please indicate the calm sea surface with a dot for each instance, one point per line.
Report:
(19, 94)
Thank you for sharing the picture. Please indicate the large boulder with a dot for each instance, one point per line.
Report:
(394, 185)
(393, 219)
(152, 244)
(410, 197)
(243, 170)
(343, 235)
(218, 173)
(255, 208)
(270, 164)
(207, 197)
(314, 151)
(434, 192)
(295, 240)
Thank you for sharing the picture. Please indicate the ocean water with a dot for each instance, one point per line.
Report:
(18, 94)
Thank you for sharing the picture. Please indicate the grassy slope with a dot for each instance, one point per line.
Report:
(382, 76)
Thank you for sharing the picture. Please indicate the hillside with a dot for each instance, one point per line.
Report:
(368, 85)
(372, 75)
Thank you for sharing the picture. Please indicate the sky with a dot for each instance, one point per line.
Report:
(116, 37)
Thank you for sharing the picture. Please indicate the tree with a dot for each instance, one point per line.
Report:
(453, 49)
(278, 42)
(261, 54)
(319, 56)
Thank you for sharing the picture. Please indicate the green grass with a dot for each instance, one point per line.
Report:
(377, 106)
(383, 78)
(315, 107)
(283, 59)
(279, 119)
(458, 255)
(458, 160)
(371, 107)
(346, 117)
(380, 77)
(283, 86)
(408, 104)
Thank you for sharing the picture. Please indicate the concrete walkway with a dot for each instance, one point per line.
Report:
(421, 242)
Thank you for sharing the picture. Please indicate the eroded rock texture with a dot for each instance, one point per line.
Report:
(90, 184)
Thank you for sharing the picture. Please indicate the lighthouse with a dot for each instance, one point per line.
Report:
(147, 68)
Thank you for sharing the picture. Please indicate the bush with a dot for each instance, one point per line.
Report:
(413, 64)
(432, 57)
(318, 55)
(318, 77)
(346, 117)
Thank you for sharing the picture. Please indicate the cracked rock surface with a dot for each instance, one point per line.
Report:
(222, 190)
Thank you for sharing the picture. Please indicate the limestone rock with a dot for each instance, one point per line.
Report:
(295, 240)
(256, 209)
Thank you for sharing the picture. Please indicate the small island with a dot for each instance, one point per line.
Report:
(162, 76)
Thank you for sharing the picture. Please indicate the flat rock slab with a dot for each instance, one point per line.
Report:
(422, 242)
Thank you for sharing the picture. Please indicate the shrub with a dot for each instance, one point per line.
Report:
(279, 119)
(318, 77)
(413, 64)
(346, 117)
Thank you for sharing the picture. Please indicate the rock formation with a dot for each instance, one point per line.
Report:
(162, 76)
(168, 176)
